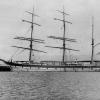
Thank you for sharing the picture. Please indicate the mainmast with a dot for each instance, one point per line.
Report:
(64, 39)
(92, 56)
(64, 26)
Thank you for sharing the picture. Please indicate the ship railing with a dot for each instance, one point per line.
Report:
(60, 63)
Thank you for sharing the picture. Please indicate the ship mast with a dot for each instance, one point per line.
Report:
(64, 26)
(30, 55)
(64, 31)
(64, 39)
(31, 39)
(92, 55)
(32, 26)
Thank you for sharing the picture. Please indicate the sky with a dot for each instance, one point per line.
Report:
(81, 11)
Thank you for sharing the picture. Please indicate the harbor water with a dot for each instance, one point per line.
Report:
(49, 86)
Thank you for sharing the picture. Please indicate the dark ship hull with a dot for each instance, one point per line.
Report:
(5, 68)
(66, 67)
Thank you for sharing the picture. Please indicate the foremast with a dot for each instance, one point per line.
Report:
(31, 39)
(31, 47)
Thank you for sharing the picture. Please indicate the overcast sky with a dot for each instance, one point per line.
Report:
(81, 11)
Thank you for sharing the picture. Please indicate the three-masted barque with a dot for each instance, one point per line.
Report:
(73, 65)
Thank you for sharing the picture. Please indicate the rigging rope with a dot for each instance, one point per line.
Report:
(14, 53)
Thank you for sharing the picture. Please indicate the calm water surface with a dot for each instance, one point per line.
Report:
(49, 86)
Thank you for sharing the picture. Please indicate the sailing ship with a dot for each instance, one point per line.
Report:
(50, 64)
(31, 63)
